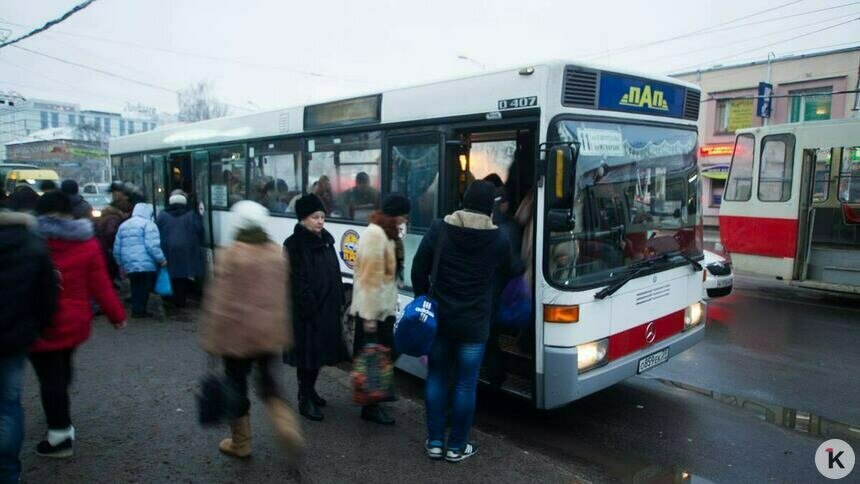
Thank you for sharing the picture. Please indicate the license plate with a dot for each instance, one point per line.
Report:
(653, 360)
(724, 282)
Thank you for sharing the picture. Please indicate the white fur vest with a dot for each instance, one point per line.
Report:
(374, 291)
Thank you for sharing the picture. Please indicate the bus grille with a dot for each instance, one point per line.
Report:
(652, 294)
(580, 88)
(691, 105)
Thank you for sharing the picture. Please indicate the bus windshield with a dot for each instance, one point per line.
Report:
(636, 197)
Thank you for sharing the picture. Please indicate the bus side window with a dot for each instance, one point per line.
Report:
(739, 185)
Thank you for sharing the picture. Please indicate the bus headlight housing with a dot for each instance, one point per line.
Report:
(693, 315)
(593, 354)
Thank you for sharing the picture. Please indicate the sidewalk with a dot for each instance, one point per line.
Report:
(134, 411)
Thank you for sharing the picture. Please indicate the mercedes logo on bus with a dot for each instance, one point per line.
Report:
(650, 333)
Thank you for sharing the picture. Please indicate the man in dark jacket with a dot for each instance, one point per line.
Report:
(472, 252)
(80, 207)
(108, 224)
(181, 232)
(28, 291)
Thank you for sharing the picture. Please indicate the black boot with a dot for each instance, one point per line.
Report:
(375, 413)
(309, 409)
(317, 399)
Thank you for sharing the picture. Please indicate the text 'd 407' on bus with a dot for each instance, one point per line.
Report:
(598, 171)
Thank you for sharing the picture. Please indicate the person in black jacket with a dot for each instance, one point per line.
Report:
(472, 252)
(28, 292)
(80, 207)
(317, 301)
(181, 230)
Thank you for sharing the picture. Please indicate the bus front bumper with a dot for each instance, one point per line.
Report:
(563, 385)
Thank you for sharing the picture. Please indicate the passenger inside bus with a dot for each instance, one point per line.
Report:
(360, 201)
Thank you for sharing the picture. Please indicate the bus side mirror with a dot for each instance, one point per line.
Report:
(559, 177)
(559, 220)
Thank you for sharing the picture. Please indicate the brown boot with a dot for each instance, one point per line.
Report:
(286, 425)
(239, 445)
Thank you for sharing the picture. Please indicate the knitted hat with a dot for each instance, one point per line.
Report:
(248, 215)
(396, 204)
(69, 187)
(54, 202)
(178, 199)
(479, 197)
(307, 205)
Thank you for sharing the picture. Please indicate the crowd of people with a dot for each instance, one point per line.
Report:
(60, 266)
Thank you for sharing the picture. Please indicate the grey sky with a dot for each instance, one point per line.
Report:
(272, 54)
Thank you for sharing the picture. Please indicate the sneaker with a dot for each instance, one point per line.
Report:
(60, 451)
(434, 449)
(456, 456)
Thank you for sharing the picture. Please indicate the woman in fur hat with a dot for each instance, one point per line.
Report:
(317, 302)
(378, 274)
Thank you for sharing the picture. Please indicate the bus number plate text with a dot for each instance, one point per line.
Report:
(518, 103)
(653, 360)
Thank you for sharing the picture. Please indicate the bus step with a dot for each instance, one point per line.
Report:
(510, 345)
(514, 384)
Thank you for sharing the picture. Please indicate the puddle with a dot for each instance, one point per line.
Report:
(790, 418)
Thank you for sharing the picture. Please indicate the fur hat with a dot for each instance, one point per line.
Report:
(54, 201)
(479, 197)
(248, 215)
(396, 204)
(307, 205)
(69, 187)
(178, 199)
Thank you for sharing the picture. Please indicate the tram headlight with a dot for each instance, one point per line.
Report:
(590, 355)
(693, 315)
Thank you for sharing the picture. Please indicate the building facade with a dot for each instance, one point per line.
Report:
(20, 117)
(811, 89)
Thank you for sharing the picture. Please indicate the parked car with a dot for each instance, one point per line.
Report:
(719, 278)
(97, 195)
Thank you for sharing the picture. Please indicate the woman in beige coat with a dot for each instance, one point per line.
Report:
(247, 322)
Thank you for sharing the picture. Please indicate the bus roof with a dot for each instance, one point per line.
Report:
(432, 100)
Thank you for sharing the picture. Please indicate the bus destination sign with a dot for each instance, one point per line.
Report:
(635, 95)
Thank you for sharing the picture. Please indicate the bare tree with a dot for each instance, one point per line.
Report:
(198, 102)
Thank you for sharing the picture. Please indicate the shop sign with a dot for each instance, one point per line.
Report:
(717, 149)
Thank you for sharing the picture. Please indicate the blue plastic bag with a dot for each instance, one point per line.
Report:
(515, 304)
(415, 331)
(162, 283)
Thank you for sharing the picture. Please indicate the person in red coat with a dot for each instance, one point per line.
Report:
(82, 277)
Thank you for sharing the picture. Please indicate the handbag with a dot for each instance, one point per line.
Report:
(162, 283)
(515, 304)
(372, 376)
(218, 400)
(415, 331)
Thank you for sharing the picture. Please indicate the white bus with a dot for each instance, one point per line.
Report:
(599, 165)
(791, 208)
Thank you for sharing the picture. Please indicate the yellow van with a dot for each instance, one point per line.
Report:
(31, 177)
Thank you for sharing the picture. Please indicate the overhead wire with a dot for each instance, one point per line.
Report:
(48, 25)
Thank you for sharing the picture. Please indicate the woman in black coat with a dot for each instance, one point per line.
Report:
(317, 302)
(181, 230)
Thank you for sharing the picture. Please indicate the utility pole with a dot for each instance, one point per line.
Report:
(770, 57)
(856, 107)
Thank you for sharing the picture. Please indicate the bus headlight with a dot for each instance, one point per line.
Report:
(693, 315)
(590, 355)
(97, 213)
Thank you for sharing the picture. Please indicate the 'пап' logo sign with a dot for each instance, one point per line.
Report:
(645, 97)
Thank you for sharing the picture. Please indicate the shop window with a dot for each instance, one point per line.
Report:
(43, 119)
(344, 172)
(734, 114)
(122, 127)
(821, 178)
(71, 120)
(55, 120)
(777, 161)
(227, 172)
(739, 185)
(849, 175)
(415, 173)
(276, 174)
(811, 105)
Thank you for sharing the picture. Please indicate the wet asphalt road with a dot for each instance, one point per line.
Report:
(775, 377)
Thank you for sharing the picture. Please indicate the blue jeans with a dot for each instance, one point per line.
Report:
(11, 416)
(465, 358)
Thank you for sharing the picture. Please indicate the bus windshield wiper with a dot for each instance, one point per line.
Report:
(642, 266)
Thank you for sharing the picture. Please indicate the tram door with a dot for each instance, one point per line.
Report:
(189, 172)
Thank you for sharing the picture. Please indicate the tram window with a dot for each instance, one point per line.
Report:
(227, 175)
(739, 186)
(777, 161)
(415, 173)
(849, 175)
(821, 178)
(276, 174)
(344, 172)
